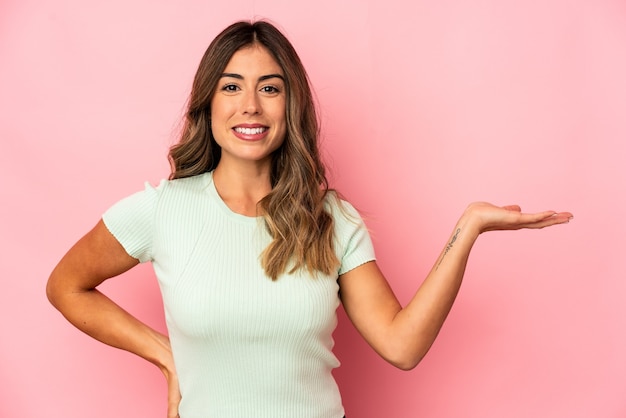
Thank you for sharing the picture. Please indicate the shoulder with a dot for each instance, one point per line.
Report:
(340, 209)
(186, 184)
(353, 244)
(348, 222)
(165, 193)
(176, 190)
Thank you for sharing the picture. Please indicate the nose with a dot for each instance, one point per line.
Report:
(250, 103)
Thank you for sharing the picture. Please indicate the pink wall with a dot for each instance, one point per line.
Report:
(426, 106)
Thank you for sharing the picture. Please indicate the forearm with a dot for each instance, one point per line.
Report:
(98, 316)
(415, 327)
(404, 335)
(72, 289)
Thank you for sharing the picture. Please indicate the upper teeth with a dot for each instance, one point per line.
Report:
(250, 131)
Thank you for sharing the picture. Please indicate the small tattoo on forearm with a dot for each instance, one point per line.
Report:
(449, 246)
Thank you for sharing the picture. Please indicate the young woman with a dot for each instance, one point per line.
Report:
(254, 253)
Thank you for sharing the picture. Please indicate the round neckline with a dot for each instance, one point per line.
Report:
(227, 210)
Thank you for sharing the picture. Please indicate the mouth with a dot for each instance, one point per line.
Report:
(250, 131)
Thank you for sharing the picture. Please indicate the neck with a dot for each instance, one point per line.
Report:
(241, 187)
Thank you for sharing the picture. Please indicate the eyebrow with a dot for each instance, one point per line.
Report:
(262, 78)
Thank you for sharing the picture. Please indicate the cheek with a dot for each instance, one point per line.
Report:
(217, 129)
(281, 127)
(219, 118)
(221, 108)
(280, 115)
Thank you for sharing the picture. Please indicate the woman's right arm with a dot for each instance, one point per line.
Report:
(72, 290)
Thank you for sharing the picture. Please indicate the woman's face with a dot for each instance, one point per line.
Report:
(248, 107)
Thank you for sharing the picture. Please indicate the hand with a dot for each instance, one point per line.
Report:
(173, 394)
(166, 364)
(493, 218)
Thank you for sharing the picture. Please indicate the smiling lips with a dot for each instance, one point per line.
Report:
(250, 132)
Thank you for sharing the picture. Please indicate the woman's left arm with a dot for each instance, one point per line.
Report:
(402, 336)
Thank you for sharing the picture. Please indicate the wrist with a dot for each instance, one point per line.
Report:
(161, 353)
(470, 223)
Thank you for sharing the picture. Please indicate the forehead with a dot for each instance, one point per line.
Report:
(253, 59)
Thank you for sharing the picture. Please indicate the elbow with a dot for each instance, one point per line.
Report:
(56, 290)
(406, 356)
(405, 364)
(405, 360)
(408, 366)
(52, 292)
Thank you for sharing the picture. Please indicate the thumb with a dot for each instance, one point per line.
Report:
(173, 399)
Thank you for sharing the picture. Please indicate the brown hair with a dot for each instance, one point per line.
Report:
(294, 212)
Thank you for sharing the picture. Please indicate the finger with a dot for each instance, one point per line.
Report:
(561, 218)
(172, 411)
(555, 219)
(537, 215)
(173, 403)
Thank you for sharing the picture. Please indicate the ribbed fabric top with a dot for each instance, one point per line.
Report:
(244, 346)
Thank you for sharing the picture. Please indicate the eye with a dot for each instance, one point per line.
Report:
(230, 88)
(270, 89)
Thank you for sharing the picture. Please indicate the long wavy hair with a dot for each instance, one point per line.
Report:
(294, 211)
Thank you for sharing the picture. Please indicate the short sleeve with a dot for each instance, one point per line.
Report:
(354, 245)
(131, 221)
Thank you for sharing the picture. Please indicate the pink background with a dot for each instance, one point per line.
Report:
(426, 107)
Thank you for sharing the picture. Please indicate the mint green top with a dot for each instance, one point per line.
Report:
(244, 346)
